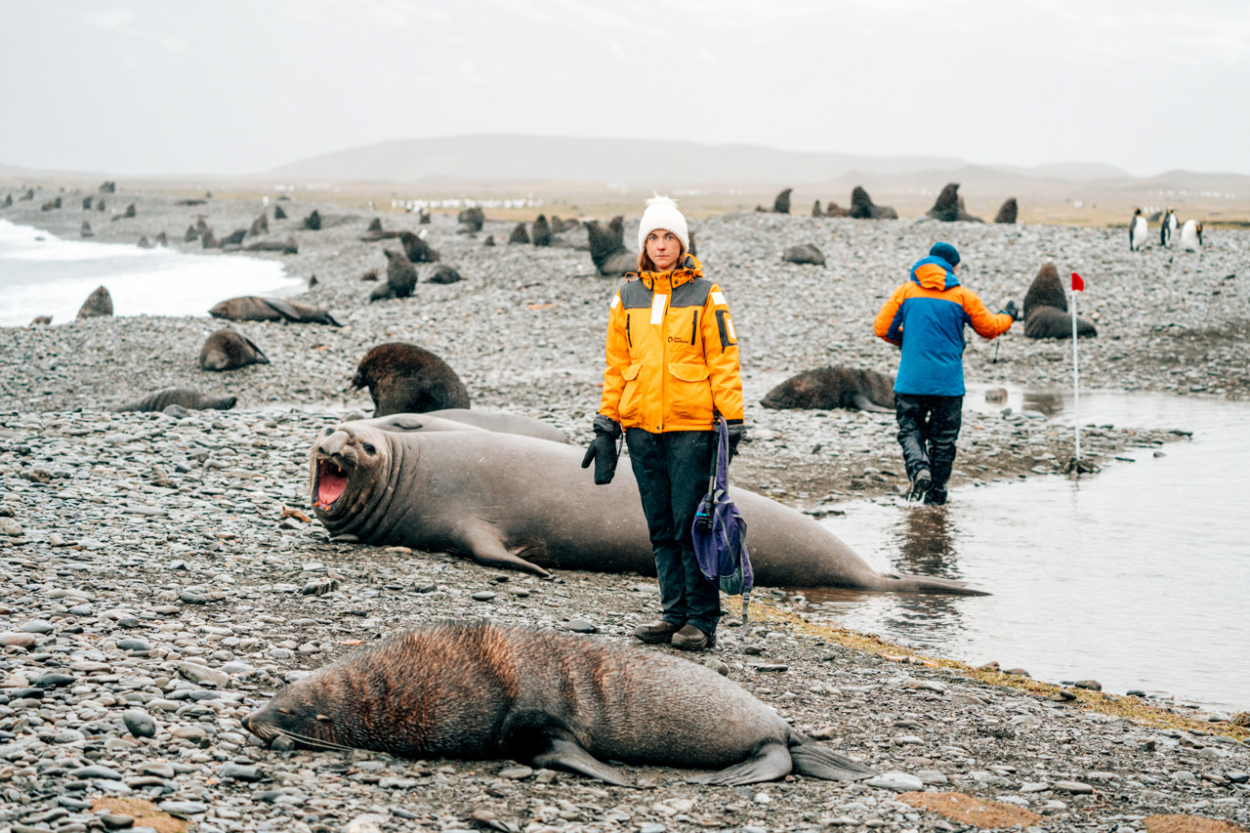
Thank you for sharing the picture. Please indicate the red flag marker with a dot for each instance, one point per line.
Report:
(1078, 285)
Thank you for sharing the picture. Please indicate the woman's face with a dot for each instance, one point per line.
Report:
(663, 248)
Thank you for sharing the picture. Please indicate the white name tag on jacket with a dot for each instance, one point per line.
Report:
(657, 308)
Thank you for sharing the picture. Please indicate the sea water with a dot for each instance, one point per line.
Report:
(41, 274)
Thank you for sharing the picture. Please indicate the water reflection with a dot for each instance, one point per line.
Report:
(1049, 403)
(926, 543)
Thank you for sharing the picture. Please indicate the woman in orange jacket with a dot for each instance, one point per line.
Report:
(672, 357)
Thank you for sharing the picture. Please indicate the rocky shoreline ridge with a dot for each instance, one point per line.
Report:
(161, 576)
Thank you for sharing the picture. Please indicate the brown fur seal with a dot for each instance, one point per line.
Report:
(781, 204)
(99, 304)
(519, 234)
(807, 253)
(145, 243)
(401, 278)
(835, 210)
(471, 220)
(443, 274)
(834, 387)
(42, 320)
(86, 231)
(207, 240)
(287, 247)
(86, 202)
(1046, 309)
(525, 504)
(278, 213)
(260, 225)
(235, 238)
(108, 187)
(51, 205)
(949, 206)
(863, 208)
(376, 232)
(228, 350)
(313, 221)
(496, 421)
(542, 232)
(1007, 212)
(29, 196)
(607, 248)
(128, 214)
(416, 249)
(255, 308)
(479, 691)
(8, 201)
(192, 233)
(188, 398)
(404, 378)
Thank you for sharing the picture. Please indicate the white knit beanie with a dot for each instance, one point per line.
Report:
(662, 213)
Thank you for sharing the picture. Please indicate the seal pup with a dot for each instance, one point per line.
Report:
(404, 378)
(1167, 228)
(313, 221)
(949, 207)
(188, 398)
(228, 350)
(99, 304)
(415, 247)
(781, 203)
(489, 241)
(863, 208)
(255, 308)
(519, 235)
(443, 274)
(607, 248)
(1007, 212)
(479, 691)
(521, 503)
(1191, 235)
(805, 253)
(1136, 231)
(1046, 309)
(278, 213)
(541, 234)
(826, 388)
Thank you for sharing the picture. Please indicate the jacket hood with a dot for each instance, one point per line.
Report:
(934, 273)
(689, 269)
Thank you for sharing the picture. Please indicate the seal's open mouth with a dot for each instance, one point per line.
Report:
(331, 481)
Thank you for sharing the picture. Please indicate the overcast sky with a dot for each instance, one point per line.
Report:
(241, 86)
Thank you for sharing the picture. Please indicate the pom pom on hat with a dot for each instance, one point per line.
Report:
(662, 213)
(945, 251)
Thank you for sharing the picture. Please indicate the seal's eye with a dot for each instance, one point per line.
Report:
(329, 431)
(370, 450)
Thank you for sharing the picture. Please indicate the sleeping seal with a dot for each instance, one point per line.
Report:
(826, 388)
(188, 398)
(479, 691)
(255, 308)
(228, 350)
(526, 504)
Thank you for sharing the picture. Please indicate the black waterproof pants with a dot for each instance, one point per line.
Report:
(672, 473)
(928, 427)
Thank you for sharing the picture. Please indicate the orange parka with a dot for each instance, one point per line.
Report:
(672, 353)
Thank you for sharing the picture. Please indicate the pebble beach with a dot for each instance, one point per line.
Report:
(162, 577)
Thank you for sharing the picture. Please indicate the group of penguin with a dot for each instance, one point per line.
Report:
(1191, 232)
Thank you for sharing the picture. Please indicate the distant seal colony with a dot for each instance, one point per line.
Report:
(479, 691)
(520, 503)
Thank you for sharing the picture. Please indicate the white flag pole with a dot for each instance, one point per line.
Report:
(1076, 385)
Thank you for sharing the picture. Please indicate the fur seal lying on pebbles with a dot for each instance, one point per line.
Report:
(462, 419)
(807, 253)
(834, 387)
(376, 232)
(863, 208)
(1008, 212)
(228, 350)
(949, 207)
(607, 248)
(479, 691)
(1046, 309)
(471, 220)
(234, 238)
(403, 378)
(443, 274)
(188, 398)
(99, 304)
(781, 203)
(287, 247)
(41, 320)
(525, 504)
(415, 247)
(255, 308)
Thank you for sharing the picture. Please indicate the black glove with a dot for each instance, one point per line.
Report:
(1012, 310)
(736, 432)
(602, 450)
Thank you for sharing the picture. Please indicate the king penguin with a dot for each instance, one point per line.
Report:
(1191, 235)
(1167, 229)
(1136, 231)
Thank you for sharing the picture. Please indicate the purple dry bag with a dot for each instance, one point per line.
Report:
(720, 532)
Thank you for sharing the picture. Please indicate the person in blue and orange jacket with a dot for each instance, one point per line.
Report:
(672, 366)
(926, 318)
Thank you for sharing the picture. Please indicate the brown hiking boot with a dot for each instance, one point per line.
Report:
(690, 638)
(657, 632)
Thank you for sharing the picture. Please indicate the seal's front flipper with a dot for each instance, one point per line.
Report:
(769, 764)
(565, 754)
(486, 548)
(818, 762)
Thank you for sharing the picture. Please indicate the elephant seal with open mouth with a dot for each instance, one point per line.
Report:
(479, 691)
(526, 504)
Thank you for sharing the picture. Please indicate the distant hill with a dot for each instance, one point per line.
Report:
(630, 162)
